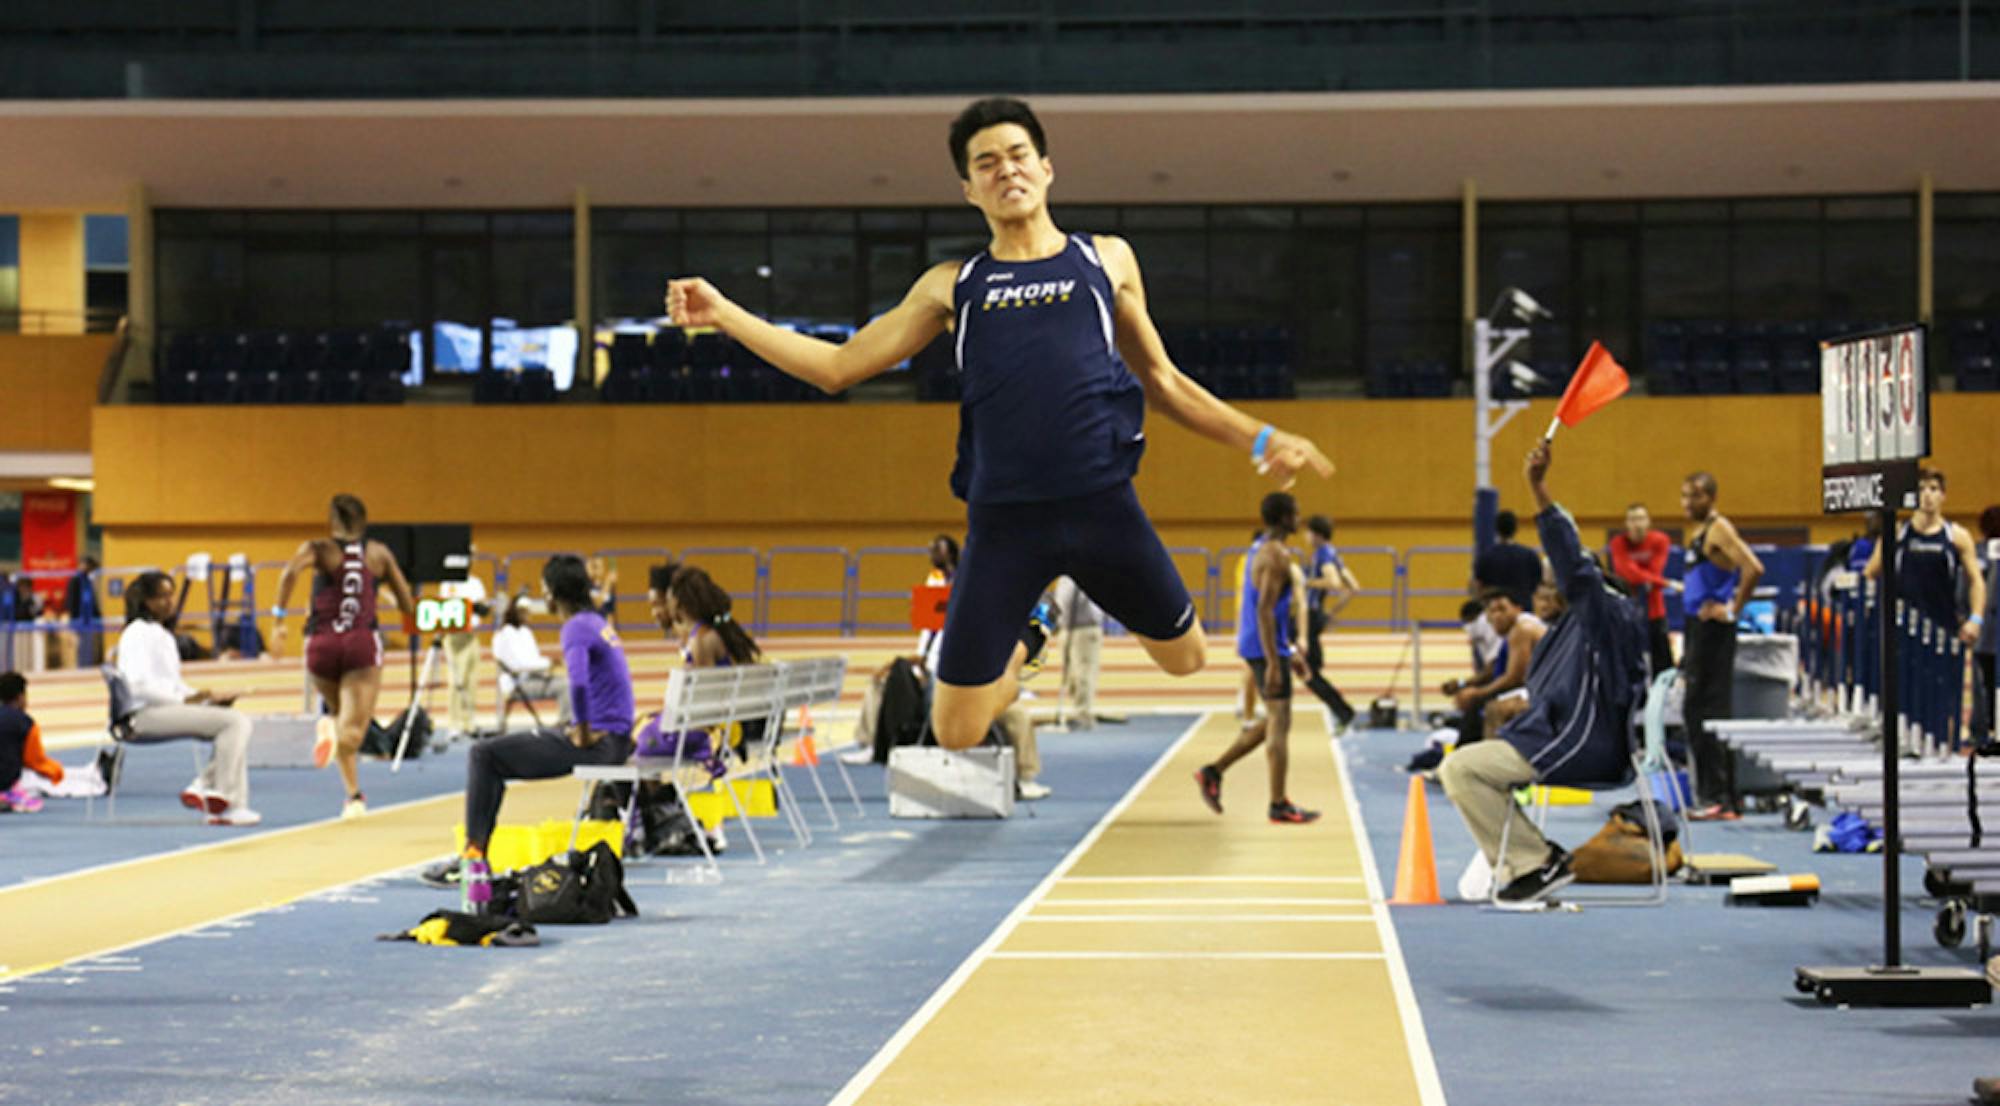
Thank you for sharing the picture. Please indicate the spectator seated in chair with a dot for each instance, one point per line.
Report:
(1586, 678)
(525, 673)
(150, 660)
(600, 692)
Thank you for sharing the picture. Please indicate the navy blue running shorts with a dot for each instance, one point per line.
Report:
(1013, 551)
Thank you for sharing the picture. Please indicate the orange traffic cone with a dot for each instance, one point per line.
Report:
(1416, 866)
(803, 751)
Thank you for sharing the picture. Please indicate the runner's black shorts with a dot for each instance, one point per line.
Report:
(1014, 551)
(1257, 669)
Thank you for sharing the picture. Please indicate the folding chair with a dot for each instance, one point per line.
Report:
(111, 760)
(1649, 758)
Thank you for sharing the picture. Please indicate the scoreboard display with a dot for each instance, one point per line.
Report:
(1874, 418)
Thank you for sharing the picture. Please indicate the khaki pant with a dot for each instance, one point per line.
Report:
(228, 771)
(1020, 731)
(1480, 780)
(1082, 651)
(462, 650)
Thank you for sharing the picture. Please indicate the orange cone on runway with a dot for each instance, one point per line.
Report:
(803, 750)
(1416, 867)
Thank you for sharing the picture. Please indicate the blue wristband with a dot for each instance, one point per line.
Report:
(1257, 447)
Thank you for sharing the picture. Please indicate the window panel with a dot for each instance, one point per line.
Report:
(812, 278)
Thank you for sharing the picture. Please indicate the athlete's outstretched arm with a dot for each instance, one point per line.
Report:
(888, 340)
(1172, 391)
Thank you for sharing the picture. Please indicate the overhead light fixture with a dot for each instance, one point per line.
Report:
(1520, 305)
(1524, 377)
(73, 483)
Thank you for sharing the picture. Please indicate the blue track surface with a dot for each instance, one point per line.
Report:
(1687, 1003)
(773, 987)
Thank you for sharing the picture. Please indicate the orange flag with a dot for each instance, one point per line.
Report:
(1598, 380)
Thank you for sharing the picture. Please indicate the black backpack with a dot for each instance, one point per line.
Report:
(381, 740)
(585, 887)
(904, 715)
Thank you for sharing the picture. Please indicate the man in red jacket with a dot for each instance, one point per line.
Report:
(1639, 556)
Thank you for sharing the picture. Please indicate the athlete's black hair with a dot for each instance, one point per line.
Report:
(1930, 476)
(992, 112)
(702, 599)
(1703, 480)
(1470, 609)
(660, 577)
(350, 515)
(143, 587)
(1989, 522)
(13, 685)
(1277, 507)
(1321, 525)
(1504, 524)
(569, 583)
(1487, 597)
(950, 553)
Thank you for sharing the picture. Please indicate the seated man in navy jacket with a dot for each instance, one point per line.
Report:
(1587, 676)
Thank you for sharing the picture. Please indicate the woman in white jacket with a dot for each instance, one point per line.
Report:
(522, 664)
(150, 661)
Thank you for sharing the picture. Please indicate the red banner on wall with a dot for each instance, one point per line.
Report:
(48, 540)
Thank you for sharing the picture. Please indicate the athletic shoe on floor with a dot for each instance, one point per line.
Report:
(858, 756)
(1713, 812)
(110, 766)
(197, 797)
(354, 808)
(1425, 759)
(1029, 790)
(236, 816)
(442, 875)
(20, 802)
(1210, 782)
(1539, 884)
(1290, 813)
(326, 734)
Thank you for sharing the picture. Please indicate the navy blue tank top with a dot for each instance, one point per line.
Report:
(1049, 411)
(1927, 573)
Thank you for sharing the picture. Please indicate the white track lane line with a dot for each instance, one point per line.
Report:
(1186, 956)
(1179, 919)
(1215, 879)
(1423, 1064)
(886, 1055)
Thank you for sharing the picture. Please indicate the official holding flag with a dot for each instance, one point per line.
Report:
(1587, 676)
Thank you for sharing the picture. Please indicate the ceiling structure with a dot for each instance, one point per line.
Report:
(1292, 148)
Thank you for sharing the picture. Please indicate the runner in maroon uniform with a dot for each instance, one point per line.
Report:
(343, 651)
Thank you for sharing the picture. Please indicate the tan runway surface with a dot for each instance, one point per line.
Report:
(1180, 957)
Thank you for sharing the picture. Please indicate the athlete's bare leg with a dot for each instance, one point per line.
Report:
(1181, 656)
(1273, 732)
(962, 714)
(358, 692)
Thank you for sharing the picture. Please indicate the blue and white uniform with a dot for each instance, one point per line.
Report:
(1927, 572)
(1051, 429)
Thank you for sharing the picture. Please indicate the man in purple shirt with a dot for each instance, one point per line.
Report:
(600, 688)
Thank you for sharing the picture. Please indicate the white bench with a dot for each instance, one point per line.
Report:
(711, 699)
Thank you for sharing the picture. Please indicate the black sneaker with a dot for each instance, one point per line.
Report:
(443, 874)
(1290, 813)
(111, 766)
(1539, 884)
(1425, 759)
(1210, 782)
